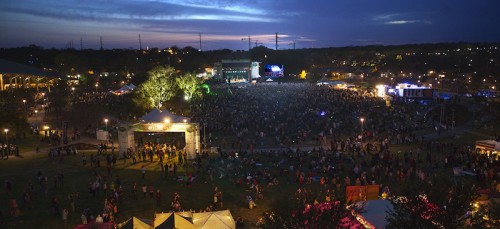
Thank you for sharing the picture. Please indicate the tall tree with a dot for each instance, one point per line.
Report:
(159, 87)
(188, 83)
(437, 203)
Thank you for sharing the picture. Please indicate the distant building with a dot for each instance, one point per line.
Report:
(14, 75)
(243, 70)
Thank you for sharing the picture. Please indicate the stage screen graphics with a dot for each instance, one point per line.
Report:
(273, 70)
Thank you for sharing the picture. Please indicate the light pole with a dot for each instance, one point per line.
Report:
(24, 103)
(6, 136)
(106, 121)
(96, 85)
(36, 119)
(362, 121)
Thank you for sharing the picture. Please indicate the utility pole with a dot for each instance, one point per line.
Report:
(276, 40)
(257, 43)
(249, 42)
(140, 42)
(293, 43)
(81, 44)
(101, 43)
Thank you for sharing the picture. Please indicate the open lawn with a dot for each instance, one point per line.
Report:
(76, 177)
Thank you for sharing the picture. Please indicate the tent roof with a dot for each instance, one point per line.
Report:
(13, 68)
(375, 212)
(217, 219)
(171, 221)
(491, 143)
(124, 88)
(136, 223)
(159, 116)
(131, 86)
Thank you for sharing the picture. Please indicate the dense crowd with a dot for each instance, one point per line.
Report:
(303, 135)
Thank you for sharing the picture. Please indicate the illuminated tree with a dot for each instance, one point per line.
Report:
(160, 86)
(188, 83)
(292, 213)
(439, 203)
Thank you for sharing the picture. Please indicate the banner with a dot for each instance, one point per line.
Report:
(362, 192)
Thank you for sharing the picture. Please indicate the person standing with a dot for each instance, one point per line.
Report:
(64, 216)
(55, 206)
(158, 198)
(144, 190)
(134, 191)
(143, 172)
(151, 191)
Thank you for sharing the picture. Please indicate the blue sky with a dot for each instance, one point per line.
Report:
(223, 23)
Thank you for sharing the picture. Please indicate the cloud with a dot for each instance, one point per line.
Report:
(384, 17)
(226, 5)
(159, 10)
(401, 22)
(400, 19)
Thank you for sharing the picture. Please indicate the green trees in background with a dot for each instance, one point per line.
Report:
(163, 84)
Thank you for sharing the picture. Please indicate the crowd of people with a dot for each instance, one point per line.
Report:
(306, 136)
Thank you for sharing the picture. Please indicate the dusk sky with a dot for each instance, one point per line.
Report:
(223, 23)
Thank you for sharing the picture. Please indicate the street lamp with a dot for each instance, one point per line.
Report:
(6, 136)
(36, 119)
(106, 121)
(362, 121)
(96, 85)
(24, 103)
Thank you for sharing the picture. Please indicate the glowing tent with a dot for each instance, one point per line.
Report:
(217, 219)
(172, 221)
(135, 223)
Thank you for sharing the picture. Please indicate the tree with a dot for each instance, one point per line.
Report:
(438, 203)
(159, 87)
(188, 83)
(297, 213)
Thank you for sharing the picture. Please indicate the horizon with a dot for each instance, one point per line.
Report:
(243, 50)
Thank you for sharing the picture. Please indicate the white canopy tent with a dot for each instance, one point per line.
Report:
(217, 219)
(172, 221)
(135, 223)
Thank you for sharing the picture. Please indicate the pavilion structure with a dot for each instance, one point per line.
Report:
(14, 75)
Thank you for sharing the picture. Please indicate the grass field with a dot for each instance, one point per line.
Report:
(76, 177)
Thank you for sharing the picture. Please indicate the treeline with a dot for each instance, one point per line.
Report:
(454, 58)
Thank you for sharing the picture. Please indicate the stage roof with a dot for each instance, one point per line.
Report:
(12, 68)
